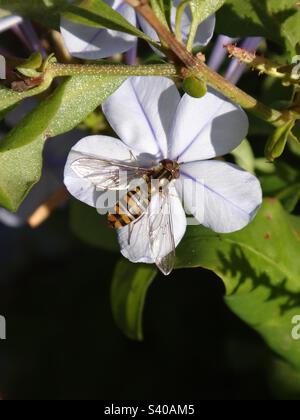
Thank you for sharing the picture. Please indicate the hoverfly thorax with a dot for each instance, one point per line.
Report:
(167, 171)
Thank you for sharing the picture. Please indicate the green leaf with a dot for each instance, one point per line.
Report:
(277, 141)
(260, 267)
(201, 10)
(290, 197)
(294, 141)
(166, 6)
(98, 14)
(21, 150)
(128, 292)
(263, 166)
(31, 66)
(43, 11)
(91, 227)
(158, 8)
(9, 98)
(244, 156)
(277, 20)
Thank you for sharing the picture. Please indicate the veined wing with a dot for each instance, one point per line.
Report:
(108, 174)
(161, 236)
(150, 238)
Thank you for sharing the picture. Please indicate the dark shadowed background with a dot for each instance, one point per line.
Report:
(62, 342)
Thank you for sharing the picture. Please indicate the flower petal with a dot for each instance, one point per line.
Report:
(141, 112)
(207, 127)
(139, 248)
(96, 146)
(92, 43)
(204, 34)
(220, 195)
(205, 30)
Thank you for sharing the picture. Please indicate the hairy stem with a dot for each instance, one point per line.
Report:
(198, 68)
(60, 70)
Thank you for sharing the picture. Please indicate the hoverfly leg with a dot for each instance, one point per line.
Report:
(132, 156)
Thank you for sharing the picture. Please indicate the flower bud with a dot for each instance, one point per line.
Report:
(195, 87)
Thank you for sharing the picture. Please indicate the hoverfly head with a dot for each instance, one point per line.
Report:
(172, 167)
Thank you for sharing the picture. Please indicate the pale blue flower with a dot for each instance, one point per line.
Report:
(150, 118)
(93, 43)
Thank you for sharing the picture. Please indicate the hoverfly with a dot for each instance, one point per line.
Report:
(136, 203)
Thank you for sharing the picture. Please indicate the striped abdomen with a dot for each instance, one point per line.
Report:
(131, 207)
(135, 204)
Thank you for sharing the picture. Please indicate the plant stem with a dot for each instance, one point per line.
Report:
(60, 70)
(200, 69)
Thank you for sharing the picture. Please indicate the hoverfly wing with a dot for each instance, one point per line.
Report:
(161, 236)
(108, 174)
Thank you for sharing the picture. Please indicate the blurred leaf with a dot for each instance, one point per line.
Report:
(260, 267)
(259, 127)
(273, 92)
(283, 184)
(287, 172)
(277, 20)
(294, 148)
(91, 227)
(290, 197)
(21, 150)
(263, 166)
(272, 184)
(294, 145)
(129, 287)
(4, 13)
(166, 6)
(44, 11)
(284, 381)
(244, 156)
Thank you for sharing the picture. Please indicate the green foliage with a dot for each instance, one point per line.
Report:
(166, 6)
(162, 12)
(244, 156)
(277, 141)
(96, 13)
(128, 292)
(92, 228)
(283, 183)
(259, 265)
(21, 150)
(9, 98)
(202, 9)
(31, 66)
(44, 11)
(260, 268)
(277, 20)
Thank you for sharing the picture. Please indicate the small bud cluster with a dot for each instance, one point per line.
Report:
(263, 65)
